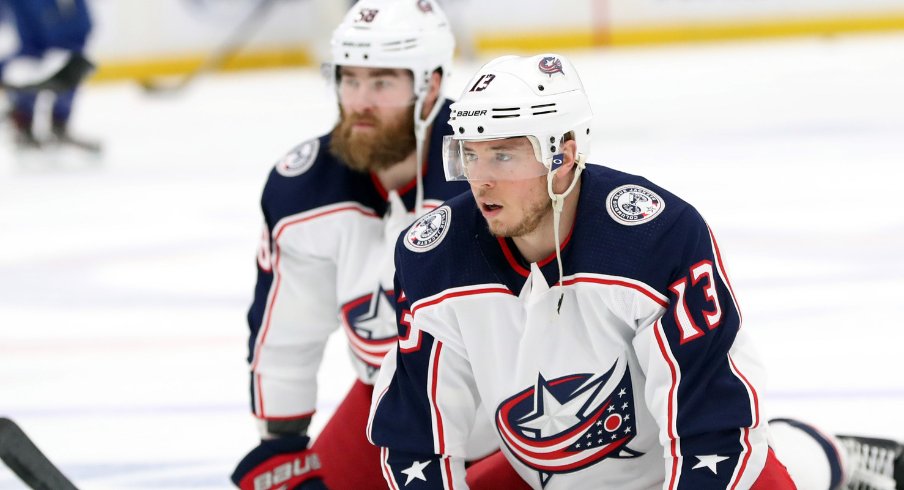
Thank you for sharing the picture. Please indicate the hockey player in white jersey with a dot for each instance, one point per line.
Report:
(584, 311)
(333, 207)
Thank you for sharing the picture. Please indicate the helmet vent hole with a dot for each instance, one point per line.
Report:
(541, 88)
(552, 148)
(544, 109)
(506, 112)
(461, 130)
(366, 56)
(480, 129)
(588, 130)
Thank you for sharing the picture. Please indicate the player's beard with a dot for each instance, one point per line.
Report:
(390, 142)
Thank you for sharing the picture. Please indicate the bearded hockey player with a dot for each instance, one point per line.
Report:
(333, 208)
(583, 311)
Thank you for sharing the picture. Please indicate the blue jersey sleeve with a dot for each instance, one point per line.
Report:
(419, 428)
(702, 373)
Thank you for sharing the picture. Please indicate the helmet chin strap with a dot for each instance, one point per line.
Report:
(420, 137)
(558, 203)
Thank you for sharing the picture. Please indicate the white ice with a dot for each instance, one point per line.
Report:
(124, 280)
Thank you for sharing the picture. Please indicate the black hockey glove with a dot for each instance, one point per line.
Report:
(283, 462)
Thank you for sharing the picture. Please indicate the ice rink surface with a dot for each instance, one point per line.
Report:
(124, 279)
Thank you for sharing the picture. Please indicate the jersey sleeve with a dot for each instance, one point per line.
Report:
(424, 406)
(702, 374)
(290, 320)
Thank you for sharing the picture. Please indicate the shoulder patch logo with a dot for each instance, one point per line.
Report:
(632, 205)
(429, 230)
(299, 160)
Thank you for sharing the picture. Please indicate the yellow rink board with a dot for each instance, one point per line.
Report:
(535, 41)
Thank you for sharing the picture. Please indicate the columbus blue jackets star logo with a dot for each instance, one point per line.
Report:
(369, 322)
(425, 6)
(569, 423)
(550, 65)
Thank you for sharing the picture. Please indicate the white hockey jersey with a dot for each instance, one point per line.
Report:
(643, 380)
(326, 261)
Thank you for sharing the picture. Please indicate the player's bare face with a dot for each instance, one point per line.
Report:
(376, 128)
(517, 204)
(515, 208)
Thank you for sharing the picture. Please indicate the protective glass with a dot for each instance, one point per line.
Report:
(498, 159)
(360, 87)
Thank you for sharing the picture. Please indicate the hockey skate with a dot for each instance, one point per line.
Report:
(62, 137)
(26, 141)
(23, 136)
(875, 464)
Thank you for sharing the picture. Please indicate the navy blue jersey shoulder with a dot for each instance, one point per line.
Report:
(454, 262)
(650, 249)
(309, 177)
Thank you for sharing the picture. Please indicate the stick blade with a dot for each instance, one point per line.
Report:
(153, 86)
(28, 463)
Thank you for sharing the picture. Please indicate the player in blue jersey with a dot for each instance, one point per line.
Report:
(585, 313)
(47, 29)
(333, 208)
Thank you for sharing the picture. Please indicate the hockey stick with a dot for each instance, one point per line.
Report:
(236, 40)
(27, 461)
(72, 68)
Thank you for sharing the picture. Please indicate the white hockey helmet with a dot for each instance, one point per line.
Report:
(407, 34)
(540, 97)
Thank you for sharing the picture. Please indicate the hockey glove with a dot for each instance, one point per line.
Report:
(283, 462)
